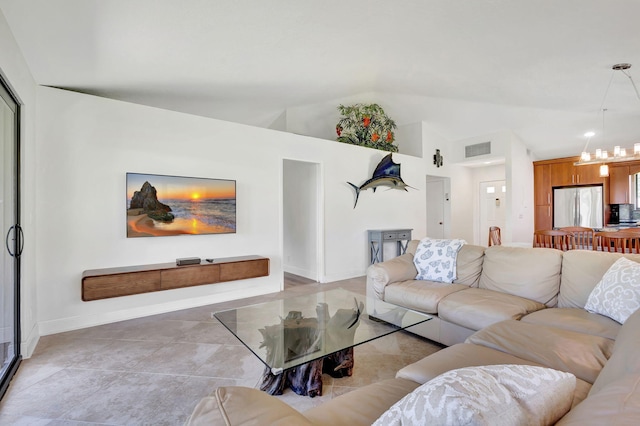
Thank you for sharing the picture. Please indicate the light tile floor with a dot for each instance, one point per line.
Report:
(154, 370)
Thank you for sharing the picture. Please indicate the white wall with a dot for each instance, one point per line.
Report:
(460, 207)
(86, 145)
(519, 174)
(14, 70)
(74, 205)
(500, 142)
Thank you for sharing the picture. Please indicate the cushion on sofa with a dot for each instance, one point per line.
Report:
(361, 406)
(476, 308)
(575, 319)
(532, 273)
(469, 265)
(399, 268)
(580, 354)
(581, 271)
(412, 246)
(618, 403)
(236, 405)
(617, 295)
(487, 395)
(435, 259)
(625, 359)
(420, 295)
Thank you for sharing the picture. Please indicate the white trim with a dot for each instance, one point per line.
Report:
(320, 267)
(78, 322)
(300, 272)
(344, 276)
(320, 258)
(28, 345)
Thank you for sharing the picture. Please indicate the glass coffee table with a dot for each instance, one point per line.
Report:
(301, 337)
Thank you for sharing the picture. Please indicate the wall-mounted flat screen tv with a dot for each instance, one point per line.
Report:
(159, 205)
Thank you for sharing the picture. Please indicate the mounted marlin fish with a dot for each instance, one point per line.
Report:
(387, 173)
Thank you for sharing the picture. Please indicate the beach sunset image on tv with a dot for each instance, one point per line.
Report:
(159, 205)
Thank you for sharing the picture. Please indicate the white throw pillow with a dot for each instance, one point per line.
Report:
(487, 395)
(617, 295)
(435, 259)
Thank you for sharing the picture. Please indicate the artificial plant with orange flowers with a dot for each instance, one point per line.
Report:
(366, 125)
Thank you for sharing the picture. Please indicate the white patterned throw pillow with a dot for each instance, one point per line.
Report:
(617, 295)
(486, 395)
(435, 259)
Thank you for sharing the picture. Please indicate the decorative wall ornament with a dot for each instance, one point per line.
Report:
(438, 159)
(387, 173)
(366, 125)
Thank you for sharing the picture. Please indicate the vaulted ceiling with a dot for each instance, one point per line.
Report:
(248, 61)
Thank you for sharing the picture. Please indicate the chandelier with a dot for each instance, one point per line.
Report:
(602, 156)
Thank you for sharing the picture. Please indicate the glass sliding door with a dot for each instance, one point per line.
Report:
(12, 233)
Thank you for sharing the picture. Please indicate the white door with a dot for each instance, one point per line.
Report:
(492, 208)
(435, 208)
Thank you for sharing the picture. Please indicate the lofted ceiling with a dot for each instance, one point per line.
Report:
(543, 66)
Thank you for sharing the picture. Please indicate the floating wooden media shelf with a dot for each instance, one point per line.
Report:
(115, 282)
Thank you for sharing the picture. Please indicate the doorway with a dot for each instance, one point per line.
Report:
(302, 218)
(492, 207)
(438, 206)
(10, 218)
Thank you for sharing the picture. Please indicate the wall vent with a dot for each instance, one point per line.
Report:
(483, 148)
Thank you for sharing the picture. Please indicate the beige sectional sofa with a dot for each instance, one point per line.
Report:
(492, 285)
(508, 306)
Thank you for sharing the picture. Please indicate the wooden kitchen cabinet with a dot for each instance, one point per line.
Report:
(559, 172)
(542, 194)
(619, 184)
(565, 173)
(589, 174)
(542, 184)
(542, 217)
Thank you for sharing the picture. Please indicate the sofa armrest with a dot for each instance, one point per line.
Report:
(236, 405)
(381, 274)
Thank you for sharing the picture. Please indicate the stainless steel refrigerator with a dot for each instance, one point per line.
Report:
(578, 206)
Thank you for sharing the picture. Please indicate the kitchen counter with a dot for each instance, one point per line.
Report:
(617, 227)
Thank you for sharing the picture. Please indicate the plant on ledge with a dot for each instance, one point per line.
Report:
(366, 125)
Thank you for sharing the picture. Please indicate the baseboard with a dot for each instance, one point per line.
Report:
(28, 345)
(62, 325)
(329, 278)
(301, 272)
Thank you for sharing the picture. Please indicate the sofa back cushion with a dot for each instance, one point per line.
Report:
(237, 405)
(468, 263)
(616, 404)
(412, 246)
(581, 272)
(532, 273)
(625, 360)
(578, 353)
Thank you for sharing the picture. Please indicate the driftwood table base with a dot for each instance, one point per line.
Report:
(297, 336)
(306, 379)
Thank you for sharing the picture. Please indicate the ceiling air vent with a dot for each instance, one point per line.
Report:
(483, 148)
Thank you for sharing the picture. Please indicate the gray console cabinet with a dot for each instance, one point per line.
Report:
(377, 238)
